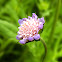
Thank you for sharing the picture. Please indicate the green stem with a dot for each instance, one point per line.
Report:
(55, 20)
(45, 46)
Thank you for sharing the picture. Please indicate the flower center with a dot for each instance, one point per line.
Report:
(29, 28)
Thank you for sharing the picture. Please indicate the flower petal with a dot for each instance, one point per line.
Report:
(29, 17)
(37, 37)
(41, 20)
(24, 19)
(40, 26)
(17, 37)
(30, 38)
(23, 41)
(20, 21)
(34, 15)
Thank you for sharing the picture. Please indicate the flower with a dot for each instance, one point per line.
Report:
(29, 28)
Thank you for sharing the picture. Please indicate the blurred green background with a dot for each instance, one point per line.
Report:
(13, 10)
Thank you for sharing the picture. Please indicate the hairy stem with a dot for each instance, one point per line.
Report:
(45, 46)
(55, 20)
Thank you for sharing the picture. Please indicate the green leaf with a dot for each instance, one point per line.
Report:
(6, 33)
(10, 26)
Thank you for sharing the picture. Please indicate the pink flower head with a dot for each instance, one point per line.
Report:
(29, 28)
